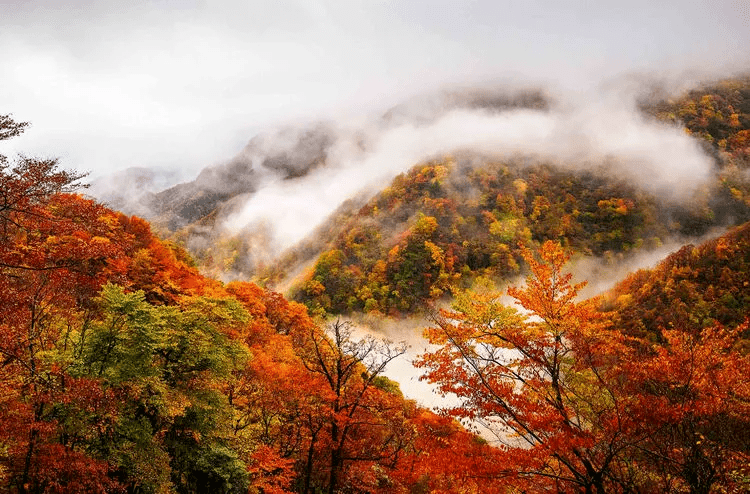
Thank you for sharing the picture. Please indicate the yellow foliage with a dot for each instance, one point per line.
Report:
(393, 254)
(520, 185)
(425, 226)
(435, 252)
(315, 288)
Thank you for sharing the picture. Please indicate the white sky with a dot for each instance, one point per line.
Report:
(112, 84)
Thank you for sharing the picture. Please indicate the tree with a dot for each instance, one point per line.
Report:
(543, 384)
(317, 395)
(694, 393)
(359, 421)
(10, 128)
(577, 405)
(443, 457)
(27, 183)
(167, 365)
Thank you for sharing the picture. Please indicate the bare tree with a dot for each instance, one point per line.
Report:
(352, 367)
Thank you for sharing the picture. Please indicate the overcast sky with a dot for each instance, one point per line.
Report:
(108, 85)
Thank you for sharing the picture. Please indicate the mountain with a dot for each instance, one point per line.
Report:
(133, 189)
(292, 152)
(484, 201)
(197, 210)
(447, 221)
(287, 153)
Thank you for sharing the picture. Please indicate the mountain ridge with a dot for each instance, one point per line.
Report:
(196, 212)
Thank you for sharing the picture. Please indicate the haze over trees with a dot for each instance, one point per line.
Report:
(124, 369)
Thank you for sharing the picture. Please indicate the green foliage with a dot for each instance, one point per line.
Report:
(199, 467)
(387, 385)
(167, 363)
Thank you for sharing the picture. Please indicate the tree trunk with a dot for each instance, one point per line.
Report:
(309, 466)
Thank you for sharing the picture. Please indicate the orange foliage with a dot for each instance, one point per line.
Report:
(580, 406)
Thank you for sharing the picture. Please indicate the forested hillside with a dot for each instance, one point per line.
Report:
(448, 221)
(718, 113)
(691, 289)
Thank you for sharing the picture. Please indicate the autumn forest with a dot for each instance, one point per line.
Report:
(134, 359)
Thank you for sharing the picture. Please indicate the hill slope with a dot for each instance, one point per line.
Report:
(690, 290)
(448, 221)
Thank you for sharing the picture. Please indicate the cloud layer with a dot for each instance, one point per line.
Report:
(601, 129)
(110, 84)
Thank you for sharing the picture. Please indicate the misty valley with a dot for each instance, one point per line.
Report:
(481, 290)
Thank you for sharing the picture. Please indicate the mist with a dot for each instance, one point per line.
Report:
(597, 129)
(111, 85)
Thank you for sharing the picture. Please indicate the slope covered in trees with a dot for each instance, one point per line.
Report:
(719, 116)
(691, 289)
(448, 221)
(717, 113)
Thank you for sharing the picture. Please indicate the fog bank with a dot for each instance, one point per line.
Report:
(598, 129)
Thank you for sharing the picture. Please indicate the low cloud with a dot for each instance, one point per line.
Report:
(592, 130)
(184, 83)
